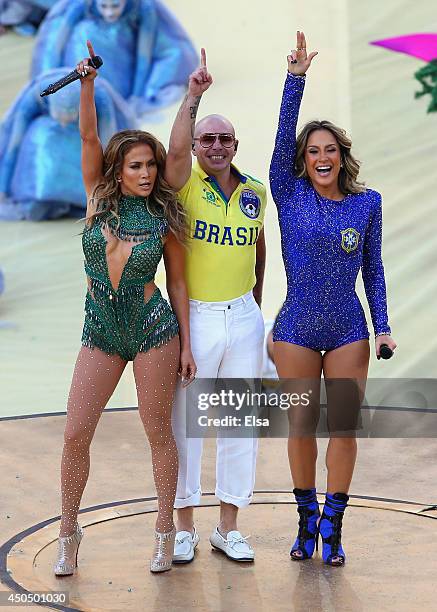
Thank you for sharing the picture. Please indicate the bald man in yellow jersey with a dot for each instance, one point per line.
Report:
(224, 272)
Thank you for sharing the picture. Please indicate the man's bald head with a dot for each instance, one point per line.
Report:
(214, 124)
(215, 158)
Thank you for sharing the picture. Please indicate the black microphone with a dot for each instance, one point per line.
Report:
(385, 351)
(95, 62)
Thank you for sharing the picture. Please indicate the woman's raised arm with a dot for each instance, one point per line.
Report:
(92, 152)
(282, 164)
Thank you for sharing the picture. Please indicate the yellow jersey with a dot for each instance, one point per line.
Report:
(221, 256)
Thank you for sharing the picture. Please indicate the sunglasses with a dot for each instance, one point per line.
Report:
(207, 140)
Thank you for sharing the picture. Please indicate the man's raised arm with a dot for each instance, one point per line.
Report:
(178, 165)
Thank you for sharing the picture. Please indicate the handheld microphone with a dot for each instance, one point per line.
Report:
(96, 62)
(385, 352)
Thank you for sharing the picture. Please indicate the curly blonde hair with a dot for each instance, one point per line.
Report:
(163, 201)
(347, 178)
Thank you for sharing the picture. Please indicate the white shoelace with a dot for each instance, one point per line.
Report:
(240, 540)
(184, 538)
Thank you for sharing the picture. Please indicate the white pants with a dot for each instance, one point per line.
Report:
(227, 342)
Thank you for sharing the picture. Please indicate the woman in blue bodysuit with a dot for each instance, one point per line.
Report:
(331, 227)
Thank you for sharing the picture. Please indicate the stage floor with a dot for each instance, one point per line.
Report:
(389, 535)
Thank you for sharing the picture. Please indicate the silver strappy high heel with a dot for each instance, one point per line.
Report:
(163, 553)
(68, 549)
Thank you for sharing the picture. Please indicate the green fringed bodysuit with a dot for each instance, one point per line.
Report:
(120, 321)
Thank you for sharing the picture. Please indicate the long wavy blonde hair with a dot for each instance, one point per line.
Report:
(347, 178)
(162, 202)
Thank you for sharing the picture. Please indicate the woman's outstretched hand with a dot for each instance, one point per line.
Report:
(298, 60)
(200, 79)
(84, 68)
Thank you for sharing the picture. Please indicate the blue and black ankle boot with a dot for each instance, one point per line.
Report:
(307, 536)
(330, 528)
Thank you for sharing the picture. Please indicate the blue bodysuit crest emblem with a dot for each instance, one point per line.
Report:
(349, 239)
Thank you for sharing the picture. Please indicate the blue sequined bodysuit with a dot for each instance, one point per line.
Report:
(324, 245)
(120, 321)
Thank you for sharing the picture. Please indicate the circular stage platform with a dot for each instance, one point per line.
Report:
(390, 546)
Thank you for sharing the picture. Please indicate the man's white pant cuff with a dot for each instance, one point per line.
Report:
(240, 502)
(186, 502)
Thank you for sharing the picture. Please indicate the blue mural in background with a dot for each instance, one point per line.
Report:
(40, 167)
(147, 55)
(147, 58)
(23, 16)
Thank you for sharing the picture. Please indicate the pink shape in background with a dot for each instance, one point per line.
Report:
(423, 46)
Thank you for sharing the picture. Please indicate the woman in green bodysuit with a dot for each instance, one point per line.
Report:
(133, 218)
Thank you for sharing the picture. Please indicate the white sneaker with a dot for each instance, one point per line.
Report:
(234, 545)
(184, 546)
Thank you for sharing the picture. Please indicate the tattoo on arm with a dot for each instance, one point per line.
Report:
(193, 113)
(193, 109)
